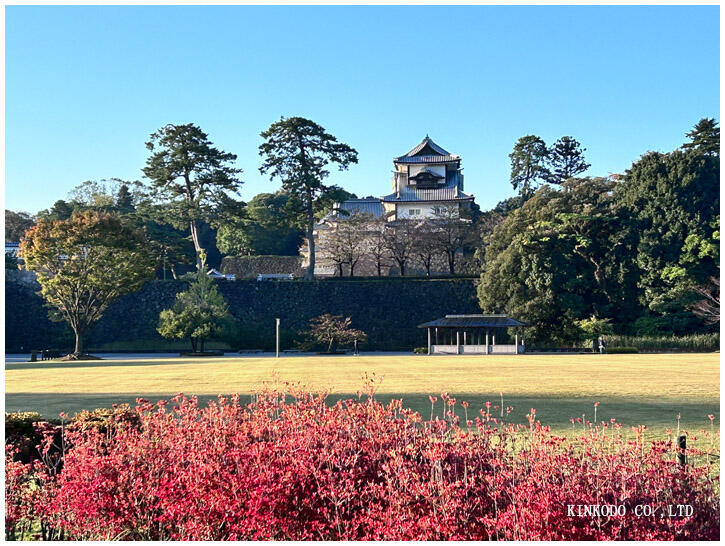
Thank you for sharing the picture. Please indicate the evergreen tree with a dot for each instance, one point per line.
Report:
(704, 137)
(674, 199)
(528, 164)
(565, 160)
(561, 258)
(61, 210)
(265, 226)
(199, 313)
(298, 151)
(124, 199)
(191, 180)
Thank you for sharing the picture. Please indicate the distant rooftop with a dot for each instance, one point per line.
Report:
(427, 152)
(473, 321)
(368, 205)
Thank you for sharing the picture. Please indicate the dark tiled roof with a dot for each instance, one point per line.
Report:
(428, 159)
(440, 155)
(449, 192)
(352, 206)
(473, 321)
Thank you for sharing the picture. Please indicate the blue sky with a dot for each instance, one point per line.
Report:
(85, 86)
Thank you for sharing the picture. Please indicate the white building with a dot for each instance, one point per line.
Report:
(427, 182)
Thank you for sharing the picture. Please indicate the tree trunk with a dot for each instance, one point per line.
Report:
(401, 264)
(339, 270)
(193, 344)
(452, 262)
(201, 345)
(380, 271)
(310, 275)
(79, 343)
(352, 267)
(194, 230)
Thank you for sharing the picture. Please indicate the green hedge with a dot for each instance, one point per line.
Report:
(689, 343)
(621, 350)
(388, 312)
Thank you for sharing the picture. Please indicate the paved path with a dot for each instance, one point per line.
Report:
(25, 357)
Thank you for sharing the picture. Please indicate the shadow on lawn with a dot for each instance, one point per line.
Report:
(153, 361)
(656, 412)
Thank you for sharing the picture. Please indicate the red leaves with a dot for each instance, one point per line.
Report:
(357, 470)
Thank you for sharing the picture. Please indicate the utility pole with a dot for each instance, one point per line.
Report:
(277, 352)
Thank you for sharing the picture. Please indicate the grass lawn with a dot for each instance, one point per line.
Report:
(634, 389)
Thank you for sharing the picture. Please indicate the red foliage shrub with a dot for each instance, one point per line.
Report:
(18, 504)
(289, 467)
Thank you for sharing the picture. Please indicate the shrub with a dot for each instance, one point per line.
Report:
(621, 350)
(198, 313)
(20, 423)
(287, 466)
(18, 501)
(421, 350)
(21, 431)
(331, 331)
(692, 342)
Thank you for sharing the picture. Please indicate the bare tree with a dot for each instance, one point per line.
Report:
(400, 242)
(454, 232)
(335, 252)
(708, 308)
(348, 240)
(426, 245)
(376, 244)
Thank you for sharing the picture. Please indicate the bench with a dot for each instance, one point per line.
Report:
(48, 354)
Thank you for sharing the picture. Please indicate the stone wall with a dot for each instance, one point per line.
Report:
(388, 310)
(248, 267)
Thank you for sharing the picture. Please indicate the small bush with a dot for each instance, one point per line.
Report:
(20, 432)
(621, 350)
(421, 350)
(20, 423)
(104, 419)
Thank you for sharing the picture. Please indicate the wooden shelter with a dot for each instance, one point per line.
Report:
(473, 334)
